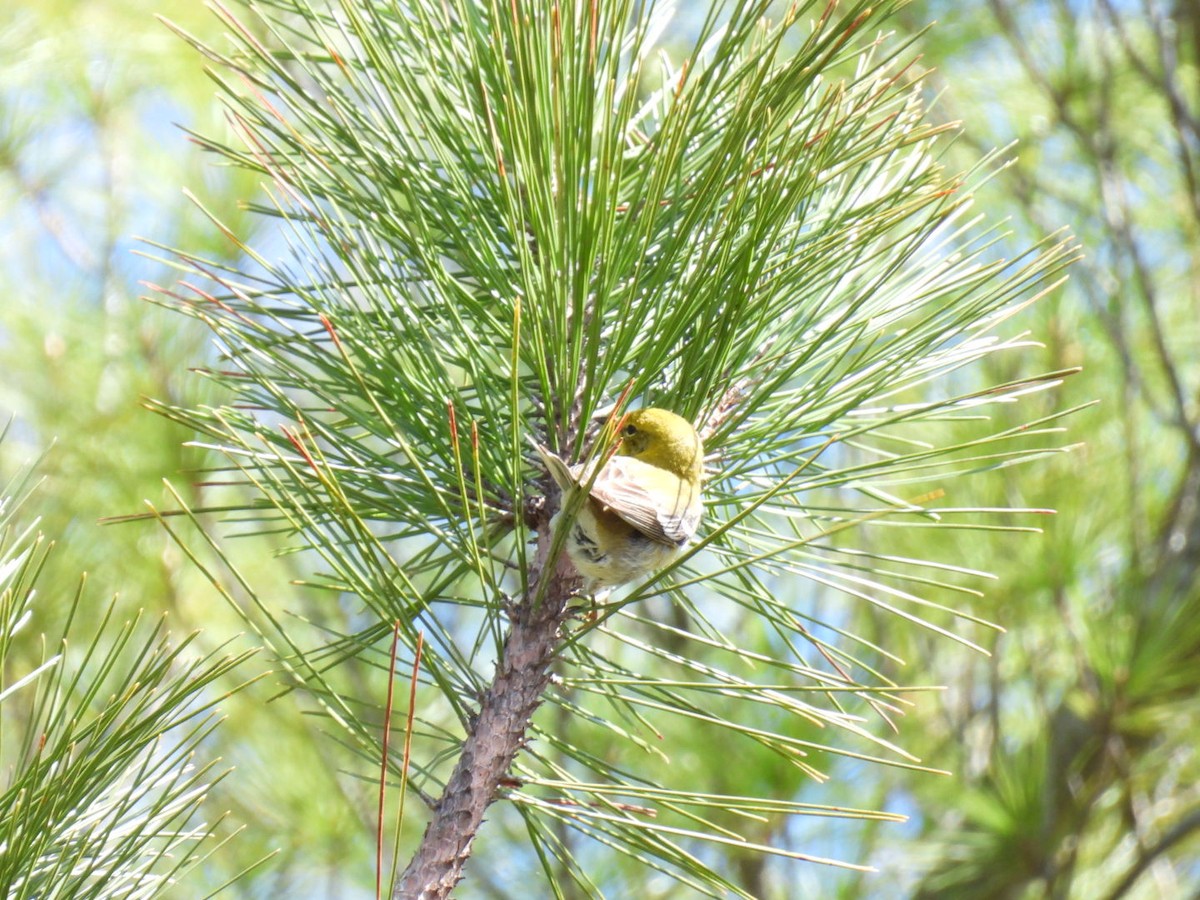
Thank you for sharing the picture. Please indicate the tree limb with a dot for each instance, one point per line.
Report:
(1181, 830)
(497, 733)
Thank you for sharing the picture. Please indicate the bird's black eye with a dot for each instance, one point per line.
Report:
(629, 429)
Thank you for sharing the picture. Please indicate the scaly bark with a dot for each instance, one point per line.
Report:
(496, 735)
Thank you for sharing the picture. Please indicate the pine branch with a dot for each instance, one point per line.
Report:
(496, 734)
(102, 784)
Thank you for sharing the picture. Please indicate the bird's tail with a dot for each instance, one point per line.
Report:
(559, 470)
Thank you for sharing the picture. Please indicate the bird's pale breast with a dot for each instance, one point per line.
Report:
(609, 551)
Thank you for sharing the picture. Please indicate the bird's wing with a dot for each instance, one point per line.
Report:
(667, 519)
(619, 488)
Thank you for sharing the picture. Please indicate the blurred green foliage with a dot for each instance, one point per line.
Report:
(88, 160)
(91, 158)
(1077, 739)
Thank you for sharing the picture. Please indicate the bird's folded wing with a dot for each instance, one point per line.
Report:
(667, 518)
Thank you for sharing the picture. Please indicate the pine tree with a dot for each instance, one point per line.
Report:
(502, 221)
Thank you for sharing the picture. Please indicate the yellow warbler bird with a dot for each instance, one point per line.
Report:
(644, 505)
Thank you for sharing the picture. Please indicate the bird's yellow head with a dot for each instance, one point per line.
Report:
(664, 440)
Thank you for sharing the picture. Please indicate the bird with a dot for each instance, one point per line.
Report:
(643, 506)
